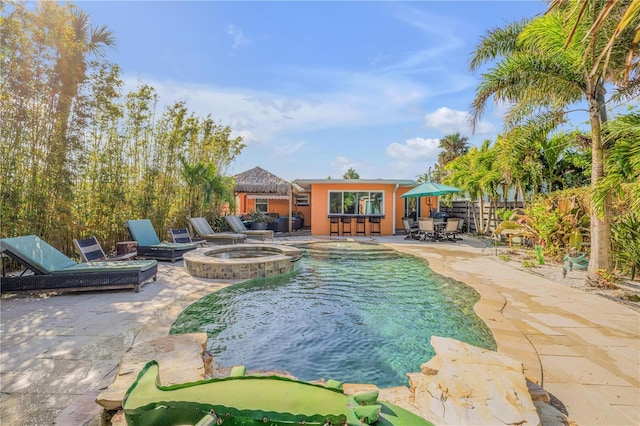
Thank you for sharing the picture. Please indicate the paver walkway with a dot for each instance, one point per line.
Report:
(584, 349)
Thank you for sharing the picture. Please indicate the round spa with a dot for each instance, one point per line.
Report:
(241, 261)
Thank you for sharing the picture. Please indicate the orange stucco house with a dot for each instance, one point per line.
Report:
(367, 199)
(375, 203)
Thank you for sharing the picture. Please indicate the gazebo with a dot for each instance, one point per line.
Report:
(257, 183)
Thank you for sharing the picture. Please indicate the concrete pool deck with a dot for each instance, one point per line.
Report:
(583, 348)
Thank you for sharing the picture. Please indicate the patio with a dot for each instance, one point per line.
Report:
(582, 348)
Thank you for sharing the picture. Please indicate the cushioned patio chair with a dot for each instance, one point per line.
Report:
(427, 229)
(236, 225)
(90, 250)
(203, 229)
(181, 235)
(451, 229)
(149, 245)
(413, 232)
(53, 271)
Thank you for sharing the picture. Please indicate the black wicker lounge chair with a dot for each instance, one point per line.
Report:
(90, 250)
(181, 235)
(53, 271)
(149, 245)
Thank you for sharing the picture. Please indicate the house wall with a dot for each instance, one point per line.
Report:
(319, 210)
(244, 205)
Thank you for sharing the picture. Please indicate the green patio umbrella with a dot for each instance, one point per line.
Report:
(430, 189)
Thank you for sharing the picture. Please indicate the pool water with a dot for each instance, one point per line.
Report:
(242, 254)
(358, 313)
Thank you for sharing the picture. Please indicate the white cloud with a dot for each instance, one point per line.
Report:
(450, 121)
(237, 36)
(416, 149)
(288, 150)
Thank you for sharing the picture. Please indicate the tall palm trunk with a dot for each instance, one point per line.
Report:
(600, 225)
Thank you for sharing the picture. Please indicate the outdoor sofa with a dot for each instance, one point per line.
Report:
(149, 245)
(53, 271)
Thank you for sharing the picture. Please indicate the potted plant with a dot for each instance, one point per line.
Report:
(259, 220)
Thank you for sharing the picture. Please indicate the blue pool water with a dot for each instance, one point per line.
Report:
(358, 313)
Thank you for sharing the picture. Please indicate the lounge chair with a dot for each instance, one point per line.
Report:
(203, 229)
(236, 225)
(53, 271)
(181, 235)
(149, 245)
(90, 250)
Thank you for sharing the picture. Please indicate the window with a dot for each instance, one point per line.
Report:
(356, 203)
(302, 200)
(262, 205)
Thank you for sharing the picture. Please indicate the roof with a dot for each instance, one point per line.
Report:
(260, 181)
(306, 183)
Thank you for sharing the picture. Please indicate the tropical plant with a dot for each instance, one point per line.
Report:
(351, 174)
(452, 146)
(79, 157)
(476, 173)
(626, 240)
(541, 74)
(624, 12)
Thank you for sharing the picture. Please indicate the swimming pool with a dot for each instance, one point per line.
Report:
(358, 313)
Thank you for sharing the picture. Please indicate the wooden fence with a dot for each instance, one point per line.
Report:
(464, 210)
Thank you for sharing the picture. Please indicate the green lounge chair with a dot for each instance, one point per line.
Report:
(53, 271)
(236, 225)
(203, 229)
(149, 245)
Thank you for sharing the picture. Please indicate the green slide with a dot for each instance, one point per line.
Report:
(255, 400)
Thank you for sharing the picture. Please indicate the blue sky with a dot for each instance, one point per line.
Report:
(316, 87)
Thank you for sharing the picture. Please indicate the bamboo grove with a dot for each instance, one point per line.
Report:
(79, 156)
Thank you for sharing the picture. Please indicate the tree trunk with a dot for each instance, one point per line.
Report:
(475, 217)
(480, 228)
(600, 225)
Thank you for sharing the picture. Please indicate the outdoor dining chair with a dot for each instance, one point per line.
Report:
(451, 229)
(426, 229)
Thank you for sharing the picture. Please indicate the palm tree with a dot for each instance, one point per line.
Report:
(74, 40)
(453, 145)
(541, 75)
(351, 174)
(477, 174)
(624, 12)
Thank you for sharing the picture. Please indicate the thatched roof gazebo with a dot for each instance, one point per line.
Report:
(259, 183)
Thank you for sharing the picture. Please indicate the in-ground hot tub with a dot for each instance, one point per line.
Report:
(241, 261)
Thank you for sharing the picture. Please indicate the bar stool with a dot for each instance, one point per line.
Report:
(374, 226)
(361, 225)
(334, 226)
(346, 225)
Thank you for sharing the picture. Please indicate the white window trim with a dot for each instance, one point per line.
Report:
(382, 206)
